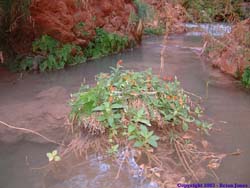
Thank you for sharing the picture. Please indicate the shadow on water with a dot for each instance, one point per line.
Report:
(225, 102)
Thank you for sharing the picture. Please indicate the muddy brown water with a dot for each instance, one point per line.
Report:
(224, 100)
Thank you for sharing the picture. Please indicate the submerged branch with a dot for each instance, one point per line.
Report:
(30, 131)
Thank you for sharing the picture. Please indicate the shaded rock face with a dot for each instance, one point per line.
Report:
(45, 114)
(75, 21)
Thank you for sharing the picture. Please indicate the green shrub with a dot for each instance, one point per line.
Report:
(104, 44)
(212, 10)
(133, 17)
(246, 40)
(57, 54)
(80, 27)
(154, 31)
(26, 64)
(131, 106)
(144, 11)
(245, 80)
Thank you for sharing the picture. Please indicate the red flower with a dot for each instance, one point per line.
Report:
(168, 78)
(119, 63)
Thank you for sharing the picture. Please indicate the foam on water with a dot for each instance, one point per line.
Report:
(215, 29)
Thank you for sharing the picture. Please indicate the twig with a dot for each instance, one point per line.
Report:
(122, 162)
(203, 48)
(189, 93)
(162, 59)
(30, 131)
(215, 175)
(40, 168)
(181, 159)
(184, 161)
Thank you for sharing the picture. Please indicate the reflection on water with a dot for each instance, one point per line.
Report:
(226, 102)
(100, 172)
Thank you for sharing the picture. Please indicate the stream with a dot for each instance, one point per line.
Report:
(225, 101)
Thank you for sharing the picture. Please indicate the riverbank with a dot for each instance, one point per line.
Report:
(224, 101)
(231, 53)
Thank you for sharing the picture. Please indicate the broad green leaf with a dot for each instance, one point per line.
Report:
(150, 133)
(57, 158)
(138, 144)
(190, 119)
(87, 109)
(153, 142)
(207, 125)
(169, 117)
(117, 106)
(198, 123)
(197, 110)
(146, 122)
(155, 137)
(98, 108)
(132, 137)
(50, 156)
(140, 112)
(54, 153)
(117, 116)
(111, 121)
(131, 128)
(185, 126)
(101, 118)
(144, 131)
(43, 66)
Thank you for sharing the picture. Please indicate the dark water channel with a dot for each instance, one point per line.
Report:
(225, 102)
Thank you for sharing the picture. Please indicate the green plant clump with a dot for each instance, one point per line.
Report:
(213, 10)
(245, 80)
(154, 31)
(57, 54)
(80, 27)
(53, 156)
(105, 43)
(135, 108)
(144, 11)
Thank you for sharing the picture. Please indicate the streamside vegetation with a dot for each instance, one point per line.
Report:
(55, 55)
(231, 53)
(50, 54)
(47, 53)
(154, 30)
(145, 19)
(137, 111)
(213, 10)
(106, 43)
(245, 80)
